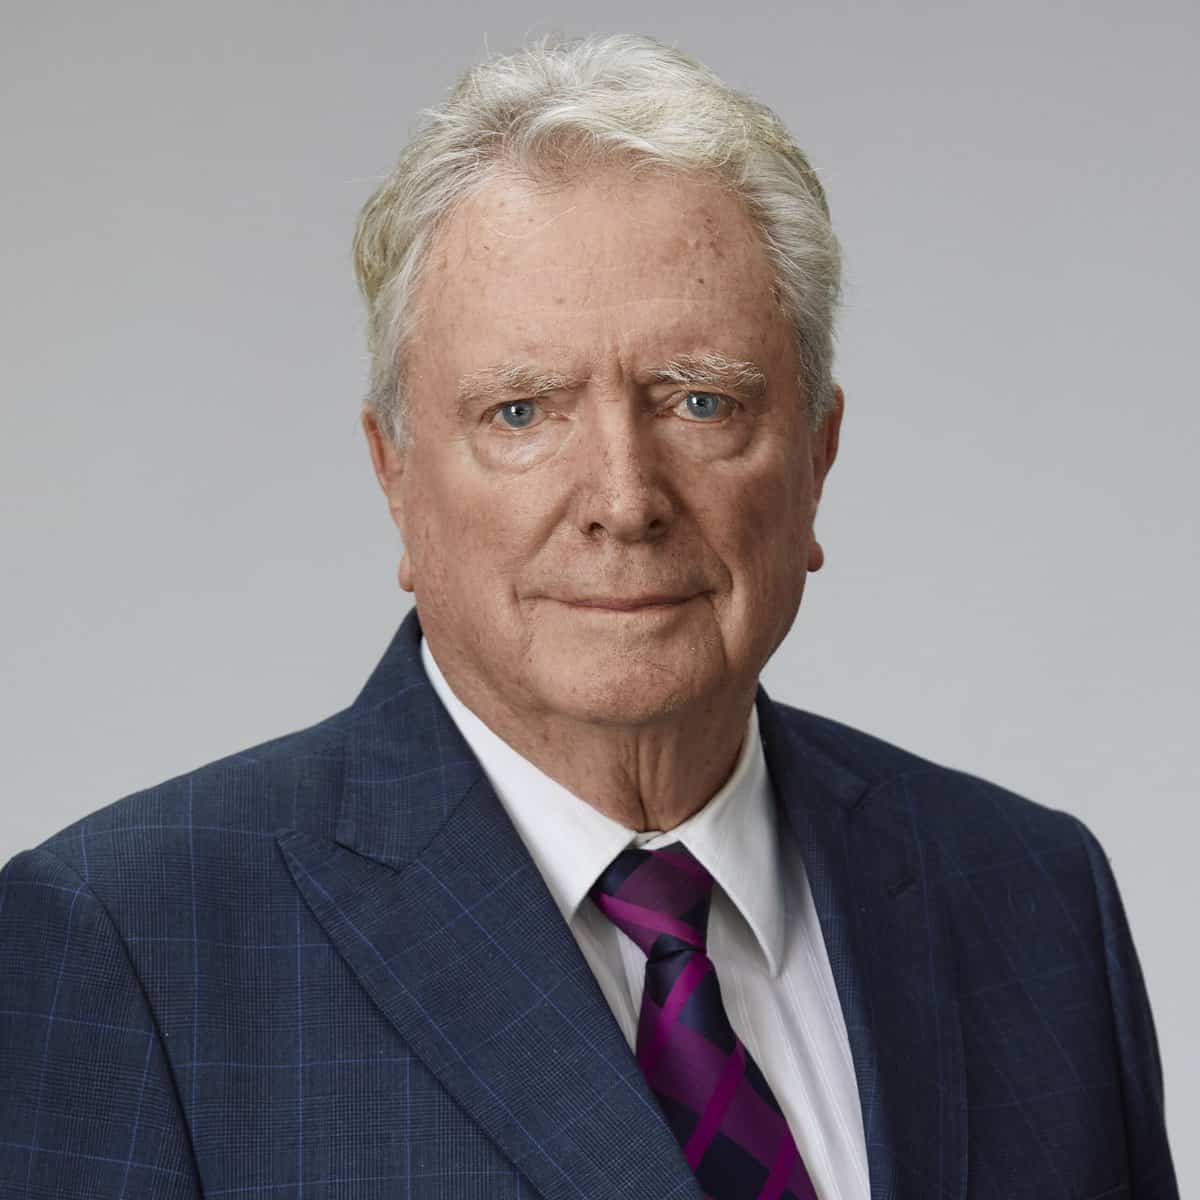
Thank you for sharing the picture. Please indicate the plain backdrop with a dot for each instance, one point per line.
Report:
(195, 555)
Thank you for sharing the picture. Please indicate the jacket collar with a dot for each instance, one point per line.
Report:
(874, 877)
(430, 897)
(432, 900)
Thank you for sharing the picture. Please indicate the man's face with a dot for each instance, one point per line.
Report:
(608, 492)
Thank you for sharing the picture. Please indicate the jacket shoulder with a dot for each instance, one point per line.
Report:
(227, 807)
(977, 817)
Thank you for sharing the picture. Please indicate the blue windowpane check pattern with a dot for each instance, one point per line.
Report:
(327, 968)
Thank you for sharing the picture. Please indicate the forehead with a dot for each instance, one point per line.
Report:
(618, 263)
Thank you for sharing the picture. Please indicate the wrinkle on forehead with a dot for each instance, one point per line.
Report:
(510, 212)
(639, 269)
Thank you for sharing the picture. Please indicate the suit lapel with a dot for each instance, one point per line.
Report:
(432, 900)
(874, 884)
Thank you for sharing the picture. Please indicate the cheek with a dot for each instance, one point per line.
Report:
(765, 549)
(467, 540)
(773, 517)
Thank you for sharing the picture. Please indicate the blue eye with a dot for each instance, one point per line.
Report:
(704, 406)
(519, 414)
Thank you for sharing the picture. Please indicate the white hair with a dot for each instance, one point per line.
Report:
(558, 108)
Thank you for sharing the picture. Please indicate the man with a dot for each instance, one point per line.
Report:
(564, 905)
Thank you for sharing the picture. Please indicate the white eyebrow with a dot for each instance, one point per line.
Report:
(710, 369)
(713, 368)
(508, 379)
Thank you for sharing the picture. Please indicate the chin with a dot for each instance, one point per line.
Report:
(627, 688)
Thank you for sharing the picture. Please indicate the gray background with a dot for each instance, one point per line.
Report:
(195, 555)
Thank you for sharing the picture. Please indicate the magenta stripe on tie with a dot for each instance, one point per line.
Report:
(659, 1035)
(714, 1110)
(781, 1168)
(621, 911)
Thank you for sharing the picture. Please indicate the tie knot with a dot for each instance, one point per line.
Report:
(659, 898)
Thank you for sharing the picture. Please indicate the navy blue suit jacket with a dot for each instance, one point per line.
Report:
(327, 967)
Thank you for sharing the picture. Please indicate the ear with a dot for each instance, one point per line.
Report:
(388, 460)
(825, 440)
(823, 447)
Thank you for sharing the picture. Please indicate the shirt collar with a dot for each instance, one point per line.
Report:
(734, 836)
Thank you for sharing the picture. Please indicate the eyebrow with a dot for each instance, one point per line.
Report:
(713, 368)
(494, 383)
(710, 369)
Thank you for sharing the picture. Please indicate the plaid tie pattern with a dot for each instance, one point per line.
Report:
(711, 1091)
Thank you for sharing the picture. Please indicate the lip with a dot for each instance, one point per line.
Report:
(626, 603)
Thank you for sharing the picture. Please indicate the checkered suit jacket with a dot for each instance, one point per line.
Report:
(327, 967)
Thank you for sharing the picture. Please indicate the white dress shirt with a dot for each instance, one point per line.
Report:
(763, 935)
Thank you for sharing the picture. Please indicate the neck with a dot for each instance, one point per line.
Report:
(648, 776)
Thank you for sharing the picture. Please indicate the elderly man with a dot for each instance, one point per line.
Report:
(564, 905)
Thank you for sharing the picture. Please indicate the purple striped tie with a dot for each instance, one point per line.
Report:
(711, 1091)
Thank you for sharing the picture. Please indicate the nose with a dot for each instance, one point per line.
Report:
(621, 490)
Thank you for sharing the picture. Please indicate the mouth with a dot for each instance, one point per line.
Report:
(648, 603)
